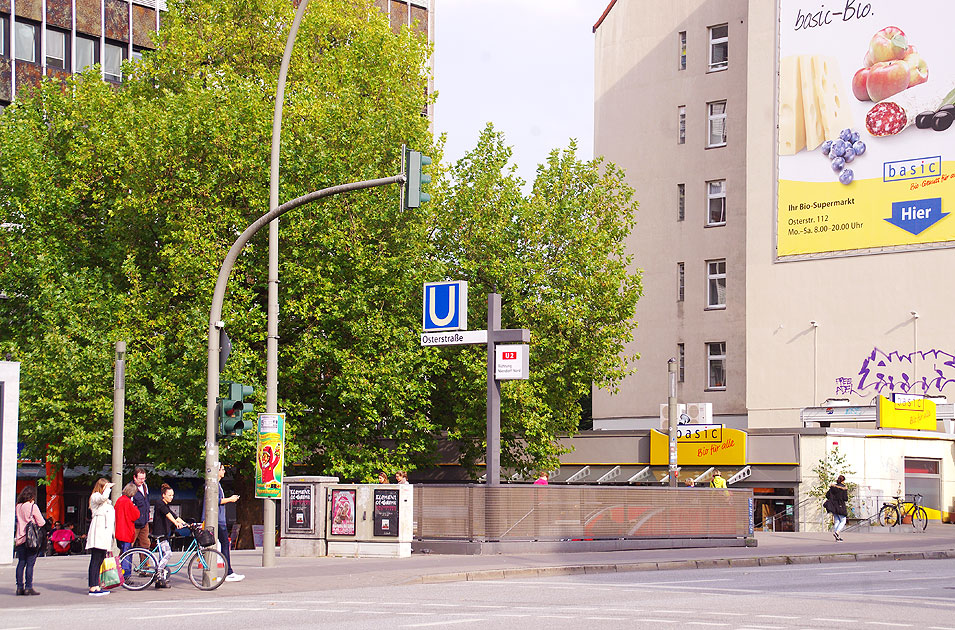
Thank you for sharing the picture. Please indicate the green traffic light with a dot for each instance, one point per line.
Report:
(232, 408)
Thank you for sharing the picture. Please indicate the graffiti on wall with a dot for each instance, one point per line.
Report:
(920, 372)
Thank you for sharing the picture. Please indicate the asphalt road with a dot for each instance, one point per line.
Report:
(882, 595)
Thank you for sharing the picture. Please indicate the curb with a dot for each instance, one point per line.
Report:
(762, 561)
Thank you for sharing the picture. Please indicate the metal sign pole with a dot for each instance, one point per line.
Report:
(493, 456)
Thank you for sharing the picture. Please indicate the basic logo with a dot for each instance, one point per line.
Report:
(445, 306)
(915, 168)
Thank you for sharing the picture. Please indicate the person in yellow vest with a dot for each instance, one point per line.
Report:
(718, 481)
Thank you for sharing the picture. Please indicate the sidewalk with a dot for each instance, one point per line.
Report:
(62, 579)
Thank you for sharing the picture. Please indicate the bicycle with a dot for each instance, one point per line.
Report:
(200, 560)
(891, 514)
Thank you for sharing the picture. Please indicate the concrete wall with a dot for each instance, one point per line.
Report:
(638, 89)
(9, 418)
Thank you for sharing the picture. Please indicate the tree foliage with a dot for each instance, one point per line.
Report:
(121, 204)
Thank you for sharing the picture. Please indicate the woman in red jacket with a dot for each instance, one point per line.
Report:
(126, 514)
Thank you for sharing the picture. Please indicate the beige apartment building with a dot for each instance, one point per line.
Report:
(764, 322)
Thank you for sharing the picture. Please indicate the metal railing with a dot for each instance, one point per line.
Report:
(558, 512)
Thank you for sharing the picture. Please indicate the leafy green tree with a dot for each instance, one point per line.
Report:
(122, 204)
(557, 258)
(827, 470)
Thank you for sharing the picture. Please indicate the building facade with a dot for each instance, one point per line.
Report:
(687, 101)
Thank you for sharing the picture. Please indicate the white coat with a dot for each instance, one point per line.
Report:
(103, 525)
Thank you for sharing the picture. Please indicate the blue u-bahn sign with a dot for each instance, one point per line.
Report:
(445, 306)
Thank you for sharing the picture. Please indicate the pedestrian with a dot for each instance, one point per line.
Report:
(382, 477)
(718, 481)
(99, 540)
(401, 477)
(542, 479)
(141, 501)
(26, 512)
(164, 523)
(223, 530)
(126, 515)
(835, 504)
(689, 482)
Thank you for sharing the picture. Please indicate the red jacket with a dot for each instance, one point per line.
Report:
(126, 513)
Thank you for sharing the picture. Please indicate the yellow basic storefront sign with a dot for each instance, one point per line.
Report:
(715, 446)
(913, 414)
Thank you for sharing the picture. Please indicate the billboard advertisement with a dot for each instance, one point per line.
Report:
(866, 141)
(270, 456)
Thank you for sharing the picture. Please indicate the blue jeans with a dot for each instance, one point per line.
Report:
(127, 563)
(26, 558)
(838, 522)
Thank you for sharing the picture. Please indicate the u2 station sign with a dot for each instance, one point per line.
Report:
(445, 306)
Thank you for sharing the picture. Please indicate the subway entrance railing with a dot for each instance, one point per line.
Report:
(480, 513)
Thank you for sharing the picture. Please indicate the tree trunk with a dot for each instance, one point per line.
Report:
(248, 509)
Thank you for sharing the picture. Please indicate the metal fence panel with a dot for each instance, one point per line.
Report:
(527, 512)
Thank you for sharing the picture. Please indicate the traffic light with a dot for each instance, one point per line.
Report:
(414, 161)
(231, 409)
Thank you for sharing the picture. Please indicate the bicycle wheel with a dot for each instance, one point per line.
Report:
(888, 516)
(141, 567)
(207, 569)
(920, 519)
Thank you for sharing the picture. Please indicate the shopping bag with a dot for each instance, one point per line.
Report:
(108, 574)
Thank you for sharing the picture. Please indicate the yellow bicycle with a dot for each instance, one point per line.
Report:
(892, 514)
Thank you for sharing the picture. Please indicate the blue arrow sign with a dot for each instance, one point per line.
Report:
(918, 215)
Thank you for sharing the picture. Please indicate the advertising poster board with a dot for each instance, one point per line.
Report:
(386, 512)
(270, 456)
(299, 508)
(700, 445)
(343, 512)
(884, 71)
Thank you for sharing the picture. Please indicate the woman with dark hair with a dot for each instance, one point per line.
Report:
(27, 512)
(836, 496)
(164, 523)
(99, 540)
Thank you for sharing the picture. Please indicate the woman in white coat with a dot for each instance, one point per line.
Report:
(99, 540)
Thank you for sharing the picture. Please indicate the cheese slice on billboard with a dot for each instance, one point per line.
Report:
(815, 132)
(792, 121)
(830, 97)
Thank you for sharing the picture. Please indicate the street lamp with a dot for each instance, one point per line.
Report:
(671, 421)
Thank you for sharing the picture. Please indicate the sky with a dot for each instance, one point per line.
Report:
(525, 65)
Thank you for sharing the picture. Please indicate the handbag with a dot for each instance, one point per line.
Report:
(33, 536)
(108, 573)
(828, 506)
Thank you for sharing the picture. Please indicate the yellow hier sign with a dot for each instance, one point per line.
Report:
(913, 414)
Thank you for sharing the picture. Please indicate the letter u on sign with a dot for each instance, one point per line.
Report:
(445, 306)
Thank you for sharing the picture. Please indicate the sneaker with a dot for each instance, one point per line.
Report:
(98, 593)
(234, 577)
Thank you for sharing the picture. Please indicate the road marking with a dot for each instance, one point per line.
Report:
(192, 614)
(777, 617)
(555, 616)
(864, 572)
(442, 623)
(484, 606)
(886, 623)
(730, 614)
(442, 605)
(658, 620)
(673, 612)
(25, 627)
(705, 623)
(606, 618)
(827, 620)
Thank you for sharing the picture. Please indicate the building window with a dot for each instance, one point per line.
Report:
(137, 54)
(681, 281)
(26, 42)
(716, 202)
(719, 46)
(87, 53)
(716, 283)
(717, 124)
(681, 353)
(681, 201)
(716, 365)
(113, 55)
(682, 50)
(682, 111)
(4, 36)
(56, 49)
